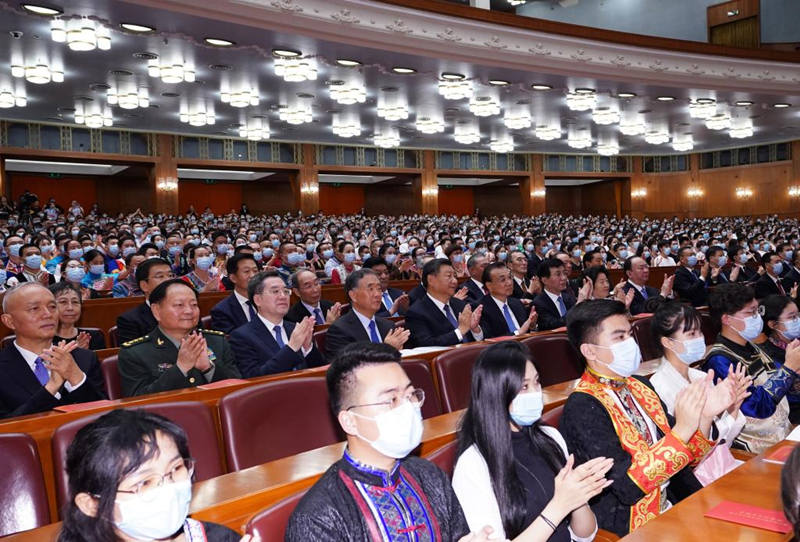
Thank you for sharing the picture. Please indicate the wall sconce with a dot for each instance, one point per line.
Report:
(434, 191)
(695, 193)
(539, 193)
(309, 189)
(639, 193)
(743, 193)
(794, 191)
(167, 184)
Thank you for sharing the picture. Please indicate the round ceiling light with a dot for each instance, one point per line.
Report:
(39, 9)
(541, 86)
(347, 62)
(499, 82)
(219, 42)
(626, 95)
(138, 28)
(402, 70)
(665, 98)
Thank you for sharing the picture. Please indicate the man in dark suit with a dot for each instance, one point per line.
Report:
(523, 287)
(793, 276)
(474, 285)
(37, 375)
(638, 272)
(439, 318)
(270, 344)
(771, 282)
(32, 270)
(236, 309)
(175, 354)
(394, 302)
(536, 257)
(139, 321)
(305, 285)
(363, 288)
(690, 285)
(553, 303)
(717, 259)
(503, 314)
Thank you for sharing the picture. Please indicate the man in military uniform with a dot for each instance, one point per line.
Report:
(175, 354)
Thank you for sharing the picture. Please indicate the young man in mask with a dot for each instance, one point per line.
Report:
(613, 414)
(377, 491)
(735, 309)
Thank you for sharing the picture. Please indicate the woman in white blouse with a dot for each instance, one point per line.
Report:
(677, 333)
(513, 473)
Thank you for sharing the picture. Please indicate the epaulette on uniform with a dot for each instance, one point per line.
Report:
(136, 341)
(213, 332)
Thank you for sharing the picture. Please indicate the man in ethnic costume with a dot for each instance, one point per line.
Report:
(735, 308)
(376, 492)
(613, 414)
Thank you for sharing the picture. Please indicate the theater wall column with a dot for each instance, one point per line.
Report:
(163, 177)
(305, 183)
(425, 186)
(5, 188)
(531, 188)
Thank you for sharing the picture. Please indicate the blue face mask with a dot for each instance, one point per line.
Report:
(576, 253)
(722, 261)
(195, 242)
(327, 254)
(3, 276)
(98, 269)
(267, 252)
(222, 249)
(76, 253)
(252, 237)
(350, 257)
(471, 245)
(75, 274)
(113, 250)
(502, 256)
(127, 251)
(160, 244)
(33, 261)
(791, 328)
(458, 258)
(257, 256)
(174, 250)
(788, 255)
(138, 230)
(13, 250)
(276, 243)
(295, 258)
(390, 258)
(777, 268)
(646, 254)
(692, 261)
(752, 327)
(743, 258)
(623, 254)
(526, 408)
(204, 262)
(667, 251)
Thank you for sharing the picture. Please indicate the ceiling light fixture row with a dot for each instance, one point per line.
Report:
(80, 33)
(38, 72)
(467, 133)
(255, 129)
(93, 114)
(387, 137)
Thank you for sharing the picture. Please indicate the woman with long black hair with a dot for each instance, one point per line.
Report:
(514, 473)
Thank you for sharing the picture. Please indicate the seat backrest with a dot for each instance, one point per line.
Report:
(276, 419)
(709, 327)
(23, 501)
(553, 416)
(271, 522)
(444, 457)
(319, 339)
(643, 336)
(7, 341)
(193, 416)
(113, 337)
(554, 357)
(419, 372)
(453, 371)
(111, 378)
(205, 322)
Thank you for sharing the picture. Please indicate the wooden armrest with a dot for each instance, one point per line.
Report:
(741, 455)
(605, 536)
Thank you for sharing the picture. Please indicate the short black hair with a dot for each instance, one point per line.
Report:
(354, 278)
(341, 378)
(549, 263)
(147, 246)
(232, 265)
(63, 286)
(773, 305)
(88, 256)
(765, 258)
(487, 272)
(585, 319)
(160, 292)
(256, 284)
(143, 269)
(28, 245)
(593, 272)
(372, 261)
(729, 298)
(669, 317)
(432, 268)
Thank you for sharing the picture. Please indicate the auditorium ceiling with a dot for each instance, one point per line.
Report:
(364, 73)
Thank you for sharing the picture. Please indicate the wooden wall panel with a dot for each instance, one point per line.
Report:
(389, 199)
(64, 189)
(268, 197)
(343, 199)
(598, 199)
(459, 200)
(125, 195)
(220, 196)
(498, 200)
(565, 200)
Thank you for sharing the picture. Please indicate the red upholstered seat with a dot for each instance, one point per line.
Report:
(113, 337)
(643, 336)
(453, 371)
(444, 457)
(553, 416)
(276, 419)
(205, 322)
(111, 378)
(419, 372)
(193, 416)
(271, 522)
(319, 339)
(554, 357)
(710, 328)
(23, 500)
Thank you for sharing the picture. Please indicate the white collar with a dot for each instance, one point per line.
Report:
(480, 284)
(439, 304)
(500, 304)
(363, 319)
(27, 355)
(554, 297)
(240, 298)
(310, 308)
(270, 325)
(638, 288)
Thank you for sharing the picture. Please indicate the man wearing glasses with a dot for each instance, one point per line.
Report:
(377, 491)
(269, 343)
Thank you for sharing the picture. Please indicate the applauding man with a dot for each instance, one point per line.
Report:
(268, 343)
(503, 314)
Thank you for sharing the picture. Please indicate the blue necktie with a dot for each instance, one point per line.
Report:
(562, 308)
(40, 371)
(511, 327)
(643, 291)
(250, 311)
(449, 314)
(318, 316)
(387, 301)
(278, 336)
(373, 332)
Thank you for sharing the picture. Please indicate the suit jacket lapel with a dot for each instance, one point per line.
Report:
(19, 370)
(266, 333)
(355, 325)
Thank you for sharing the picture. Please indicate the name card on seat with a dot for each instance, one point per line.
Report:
(752, 516)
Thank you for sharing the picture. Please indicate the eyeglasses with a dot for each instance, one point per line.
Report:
(145, 489)
(416, 397)
(279, 292)
(163, 276)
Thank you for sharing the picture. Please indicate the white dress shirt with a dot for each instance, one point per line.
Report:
(554, 298)
(365, 323)
(500, 305)
(30, 359)
(243, 301)
(440, 306)
(271, 328)
(311, 310)
(480, 285)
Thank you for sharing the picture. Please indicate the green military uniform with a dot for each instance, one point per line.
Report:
(149, 364)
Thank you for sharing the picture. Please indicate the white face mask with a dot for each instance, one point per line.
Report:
(399, 430)
(526, 408)
(626, 357)
(694, 350)
(158, 518)
(752, 327)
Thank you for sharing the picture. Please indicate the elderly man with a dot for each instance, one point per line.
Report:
(503, 314)
(175, 354)
(638, 272)
(394, 302)
(270, 344)
(474, 285)
(37, 375)
(305, 285)
(360, 324)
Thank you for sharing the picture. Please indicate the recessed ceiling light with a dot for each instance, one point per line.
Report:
(781, 105)
(220, 67)
(140, 28)
(744, 103)
(626, 94)
(347, 62)
(170, 94)
(121, 73)
(584, 91)
(219, 42)
(705, 101)
(665, 98)
(403, 70)
(145, 55)
(499, 82)
(449, 76)
(286, 53)
(541, 86)
(39, 9)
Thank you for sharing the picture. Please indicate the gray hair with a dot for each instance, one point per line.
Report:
(13, 292)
